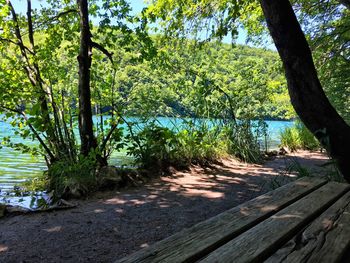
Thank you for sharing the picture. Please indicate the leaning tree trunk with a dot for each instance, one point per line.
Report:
(346, 3)
(88, 140)
(305, 90)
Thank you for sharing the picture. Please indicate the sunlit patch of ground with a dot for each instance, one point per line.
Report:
(114, 224)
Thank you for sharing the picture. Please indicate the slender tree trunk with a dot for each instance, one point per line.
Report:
(88, 140)
(33, 73)
(305, 90)
(44, 96)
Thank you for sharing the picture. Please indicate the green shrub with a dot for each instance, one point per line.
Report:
(200, 145)
(290, 138)
(159, 147)
(37, 184)
(307, 139)
(66, 178)
(298, 137)
(242, 143)
(72, 178)
(152, 146)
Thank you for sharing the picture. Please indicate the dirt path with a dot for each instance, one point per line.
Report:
(114, 224)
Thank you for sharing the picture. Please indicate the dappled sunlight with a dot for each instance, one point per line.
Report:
(245, 211)
(99, 210)
(119, 210)
(144, 245)
(164, 205)
(53, 229)
(115, 201)
(3, 248)
(254, 171)
(134, 218)
(262, 197)
(254, 187)
(209, 183)
(152, 196)
(287, 216)
(327, 223)
(120, 201)
(208, 186)
(137, 202)
(268, 208)
(204, 193)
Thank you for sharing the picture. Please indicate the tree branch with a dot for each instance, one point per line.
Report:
(64, 13)
(103, 50)
(36, 134)
(30, 24)
(10, 109)
(15, 43)
(105, 141)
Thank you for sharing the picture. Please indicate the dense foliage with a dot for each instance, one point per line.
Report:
(324, 23)
(220, 92)
(329, 38)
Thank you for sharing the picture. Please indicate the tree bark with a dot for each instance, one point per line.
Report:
(346, 3)
(88, 140)
(305, 90)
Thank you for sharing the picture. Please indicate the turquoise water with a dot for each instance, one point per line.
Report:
(16, 167)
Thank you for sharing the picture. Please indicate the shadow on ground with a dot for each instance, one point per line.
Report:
(114, 224)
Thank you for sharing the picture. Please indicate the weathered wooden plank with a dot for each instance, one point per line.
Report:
(318, 237)
(193, 243)
(337, 241)
(259, 242)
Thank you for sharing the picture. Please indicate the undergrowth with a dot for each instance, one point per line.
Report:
(157, 147)
(298, 137)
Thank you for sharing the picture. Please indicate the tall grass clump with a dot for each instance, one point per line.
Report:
(242, 143)
(159, 147)
(298, 137)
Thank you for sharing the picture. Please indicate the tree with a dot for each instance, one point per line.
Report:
(41, 44)
(39, 80)
(307, 95)
(22, 54)
(87, 137)
(222, 17)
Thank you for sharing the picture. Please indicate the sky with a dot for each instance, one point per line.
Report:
(137, 6)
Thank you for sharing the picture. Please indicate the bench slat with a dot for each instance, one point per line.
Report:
(337, 241)
(319, 237)
(261, 241)
(199, 240)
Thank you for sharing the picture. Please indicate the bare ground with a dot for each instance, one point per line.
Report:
(114, 224)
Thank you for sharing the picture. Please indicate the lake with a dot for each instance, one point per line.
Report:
(16, 167)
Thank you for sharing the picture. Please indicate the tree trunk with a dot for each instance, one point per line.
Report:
(32, 71)
(88, 140)
(346, 3)
(305, 90)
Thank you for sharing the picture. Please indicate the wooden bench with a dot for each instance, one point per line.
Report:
(304, 221)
